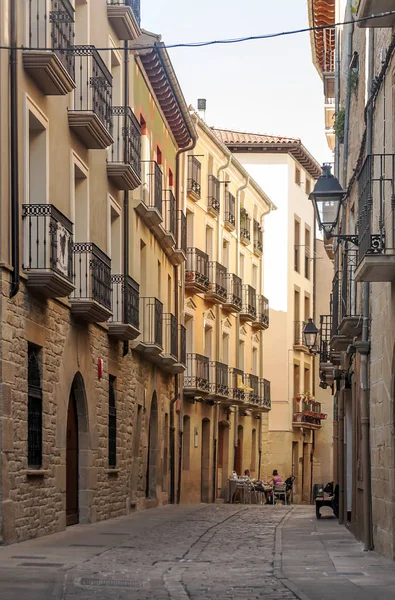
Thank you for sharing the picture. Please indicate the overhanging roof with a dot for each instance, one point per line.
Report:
(241, 142)
(321, 13)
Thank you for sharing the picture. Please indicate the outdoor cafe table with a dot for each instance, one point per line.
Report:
(240, 483)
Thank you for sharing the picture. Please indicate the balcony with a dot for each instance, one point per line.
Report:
(230, 211)
(299, 344)
(150, 341)
(51, 31)
(91, 116)
(170, 360)
(124, 16)
(245, 227)
(252, 385)
(258, 239)
(368, 8)
(265, 394)
(307, 414)
(48, 250)
(350, 319)
(219, 380)
(237, 390)
(327, 358)
(376, 219)
(214, 195)
(248, 308)
(150, 205)
(234, 298)
(196, 274)
(125, 322)
(217, 288)
(196, 378)
(194, 178)
(91, 299)
(182, 336)
(262, 316)
(124, 161)
(339, 342)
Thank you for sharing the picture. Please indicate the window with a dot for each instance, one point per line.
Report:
(143, 125)
(225, 348)
(306, 380)
(112, 423)
(171, 179)
(81, 204)
(255, 364)
(241, 355)
(306, 308)
(255, 277)
(296, 245)
(116, 240)
(242, 267)
(158, 155)
(208, 341)
(159, 280)
(297, 176)
(307, 254)
(225, 253)
(186, 446)
(34, 407)
(308, 186)
(209, 242)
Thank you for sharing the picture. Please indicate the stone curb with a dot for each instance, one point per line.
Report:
(278, 560)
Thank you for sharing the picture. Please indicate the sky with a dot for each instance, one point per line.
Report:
(265, 86)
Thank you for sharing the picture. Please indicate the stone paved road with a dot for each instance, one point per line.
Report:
(199, 553)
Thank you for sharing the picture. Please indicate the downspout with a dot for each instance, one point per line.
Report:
(15, 279)
(348, 97)
(175, 496)
(315, 318)
(126, 200)
(218, 340)
(337, 86)
(364, 349)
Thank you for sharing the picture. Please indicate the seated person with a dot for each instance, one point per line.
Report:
(276, 477)
(256, 484)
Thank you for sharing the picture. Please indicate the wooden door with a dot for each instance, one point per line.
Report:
(72, 464)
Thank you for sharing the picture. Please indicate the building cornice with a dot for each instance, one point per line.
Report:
(321, 13)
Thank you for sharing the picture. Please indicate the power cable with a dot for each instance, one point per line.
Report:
(224, 41)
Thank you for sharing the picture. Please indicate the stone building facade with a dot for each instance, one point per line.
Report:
(92, 239)
(362, 314)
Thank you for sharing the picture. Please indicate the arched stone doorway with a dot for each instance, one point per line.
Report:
(77, 449)
(152, 456)
(205, 461)
(239, 451)
(223, 459)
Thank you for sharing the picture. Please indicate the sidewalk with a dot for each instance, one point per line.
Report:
(324, 561)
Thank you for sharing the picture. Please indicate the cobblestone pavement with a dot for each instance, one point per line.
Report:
(198, 553)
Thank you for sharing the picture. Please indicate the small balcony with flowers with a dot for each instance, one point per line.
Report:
(125, 16)
(49, 59)
(307, 412)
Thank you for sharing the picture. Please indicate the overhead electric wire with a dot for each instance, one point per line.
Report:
(250, 38)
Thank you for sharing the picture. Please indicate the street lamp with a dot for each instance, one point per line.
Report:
(310, 334)
(327, 198)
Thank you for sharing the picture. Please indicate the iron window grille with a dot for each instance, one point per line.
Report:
(230, 210)
(194, 176)
(348, 292)
(112, 423)
(325, 337)
(51, 25)
(126, 132)
(34, 408)
(214, 193)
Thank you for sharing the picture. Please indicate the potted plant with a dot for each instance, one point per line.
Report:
(298, 417)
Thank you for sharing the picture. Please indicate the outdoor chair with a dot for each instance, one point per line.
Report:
(280, 492)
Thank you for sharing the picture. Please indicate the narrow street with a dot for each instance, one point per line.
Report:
(197, 552)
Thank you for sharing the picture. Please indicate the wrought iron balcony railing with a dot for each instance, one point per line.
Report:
(181, 231)
(298, 333)
(194, 176)
(151, 321)
(235, 292)
(376, 211)
(335, 303)
(230, 210)
(252, 382)
(265, 393)
(133, 4)
(170, 335)
(197, 374)
(236, 384)
(258, 237)
(325, 337)
(214, 194)
(197, 269)
(249, 302)
(152, 182)
(51, 26)
(219, 379)
(125, 300)
(262, 317)
(169, 212)
(92, 274)
(94, 85)
(245, 226)
(217, 280)
(183, 345)
(126, 131)
(348, 291)
(48, 240)
(308, 412)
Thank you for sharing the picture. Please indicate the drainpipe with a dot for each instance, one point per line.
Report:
(348, 97)
(236, 421)
(215, 445)
(337, 86)
(175, 496)
(363, 348)
(14, 155)
(260, 445)
(126, 199)
(340, 396)
(313, 358)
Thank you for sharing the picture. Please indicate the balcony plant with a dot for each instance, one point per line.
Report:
(338, 125)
